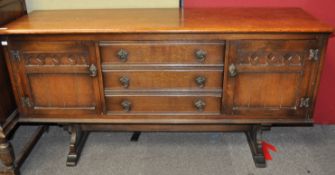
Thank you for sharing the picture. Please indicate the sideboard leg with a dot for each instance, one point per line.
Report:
(78, 139)
(254, 136)
(7, 158)
(135, 136)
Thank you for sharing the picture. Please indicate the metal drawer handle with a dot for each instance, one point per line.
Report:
(93, 70)
(123, 55)
(201, 55)
(232, 70)
(200, 81)
(124, 81)
(126, 105)
(199, 104)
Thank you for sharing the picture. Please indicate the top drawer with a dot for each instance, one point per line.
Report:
(155, 52)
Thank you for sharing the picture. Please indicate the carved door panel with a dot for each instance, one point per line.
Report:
(56, 77)
(271, 77)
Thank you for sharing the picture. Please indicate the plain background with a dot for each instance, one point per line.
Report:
(98, 4)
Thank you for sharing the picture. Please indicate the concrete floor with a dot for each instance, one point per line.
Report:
(301, 151)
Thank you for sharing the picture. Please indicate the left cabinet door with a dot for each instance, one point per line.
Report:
(55, 77)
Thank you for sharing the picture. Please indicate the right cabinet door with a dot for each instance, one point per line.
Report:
(272, 78)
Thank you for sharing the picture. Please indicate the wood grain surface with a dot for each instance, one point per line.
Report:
(167, 21)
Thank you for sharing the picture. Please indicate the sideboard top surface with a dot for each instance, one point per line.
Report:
(197, 20)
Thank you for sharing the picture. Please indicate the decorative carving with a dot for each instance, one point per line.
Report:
(260, 58)
(56, 58)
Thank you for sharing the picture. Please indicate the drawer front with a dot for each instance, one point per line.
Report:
(162, 52)
(163, 104)
(163, 80)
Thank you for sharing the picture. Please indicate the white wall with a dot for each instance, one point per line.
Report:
(99, 4)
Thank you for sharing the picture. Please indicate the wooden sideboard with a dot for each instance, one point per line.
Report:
(229, 69)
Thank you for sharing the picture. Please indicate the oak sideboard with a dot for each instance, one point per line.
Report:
(221, 69)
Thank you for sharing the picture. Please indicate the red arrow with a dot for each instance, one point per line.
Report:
(266, 147)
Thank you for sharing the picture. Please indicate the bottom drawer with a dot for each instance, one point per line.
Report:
(163, 104)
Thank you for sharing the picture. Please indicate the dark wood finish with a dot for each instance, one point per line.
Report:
(9, 10)
(230, 69)
(78, 140)
(136, 135)
(7, 104)
(7, 157)
(166, 127)
(254, 137)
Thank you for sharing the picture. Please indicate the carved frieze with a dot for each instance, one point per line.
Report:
(67, 58)
(270, 58)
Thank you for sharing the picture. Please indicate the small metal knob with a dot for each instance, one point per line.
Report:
(123, 55)
(232, 70)
(200, 55)
(200, 81)
(93, 70)
(199, 104)
(126, 105)
(124, 81)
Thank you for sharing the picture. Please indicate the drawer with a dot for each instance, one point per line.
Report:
(162, 52)
(163, 80)
(163, 104)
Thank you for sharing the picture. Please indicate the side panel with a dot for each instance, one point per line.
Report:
(9, 10)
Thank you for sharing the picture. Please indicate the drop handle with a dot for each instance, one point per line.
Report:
(124, 81)
(232, 70)
(201, 55)
(200, 105)
(126, 105)
(93, 71)
(200, 81)
(123, 55)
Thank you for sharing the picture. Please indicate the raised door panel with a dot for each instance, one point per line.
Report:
(56, 77)
(272, 78)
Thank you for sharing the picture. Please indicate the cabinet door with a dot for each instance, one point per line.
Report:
(56, 77)
(272, 78)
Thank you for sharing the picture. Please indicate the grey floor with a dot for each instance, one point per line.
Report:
(301, 150)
